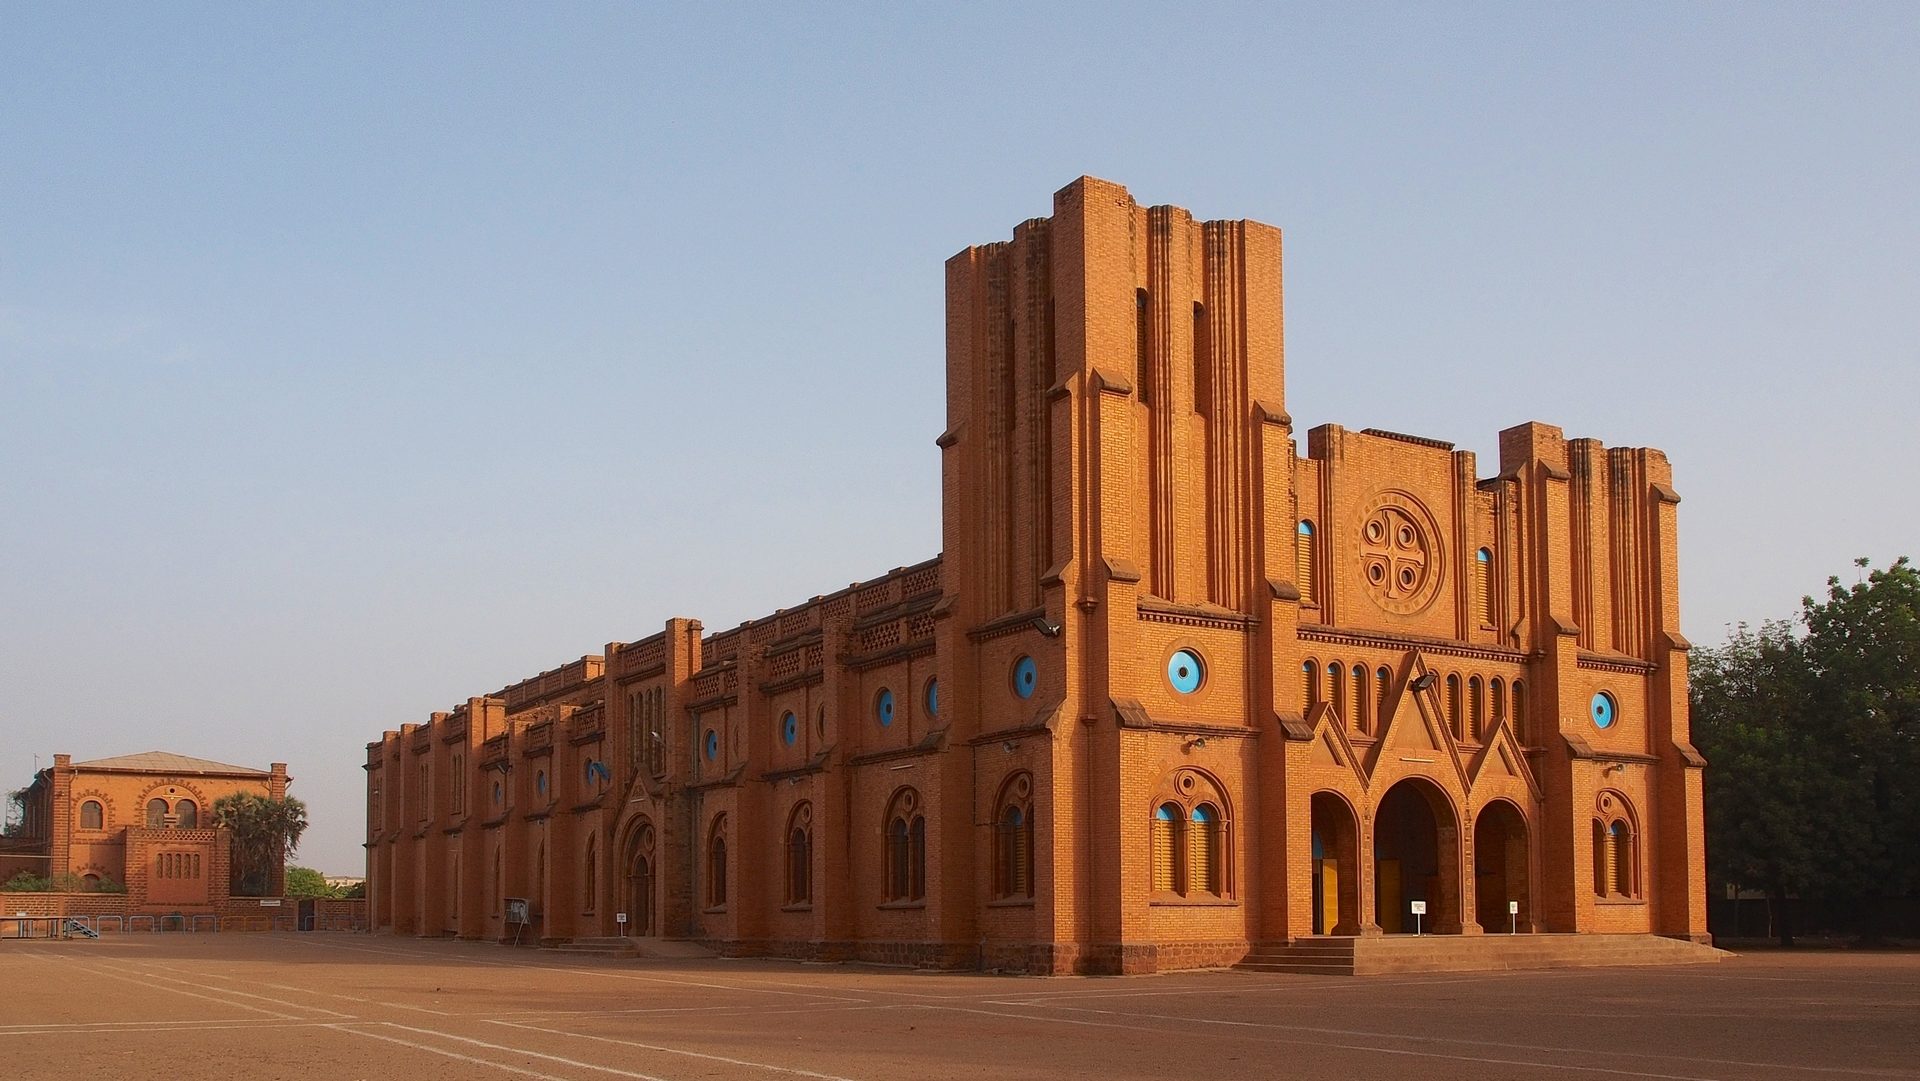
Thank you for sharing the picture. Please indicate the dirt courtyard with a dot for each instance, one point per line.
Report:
(341, 1006)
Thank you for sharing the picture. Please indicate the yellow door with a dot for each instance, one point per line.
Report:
(1329, 896)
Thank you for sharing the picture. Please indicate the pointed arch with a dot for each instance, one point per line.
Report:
(1013, 835)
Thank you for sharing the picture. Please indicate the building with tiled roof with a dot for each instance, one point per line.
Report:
(141, 822)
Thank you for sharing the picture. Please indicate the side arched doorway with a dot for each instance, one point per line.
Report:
(1336, 866)
(1500, 880)
(641, 882)
(1416, 842)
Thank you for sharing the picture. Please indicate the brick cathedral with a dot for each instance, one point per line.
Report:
(1172, 691)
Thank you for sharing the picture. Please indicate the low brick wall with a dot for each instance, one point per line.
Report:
(235, 913)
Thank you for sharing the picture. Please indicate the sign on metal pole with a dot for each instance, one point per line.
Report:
(1419, 910)
(519, 913)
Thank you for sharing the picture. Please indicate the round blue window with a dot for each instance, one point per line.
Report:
(713, 745)
(933, 698)
(1185, 671)
(1026, 676)
(883, 707)
(1604, 710)
(789, 728)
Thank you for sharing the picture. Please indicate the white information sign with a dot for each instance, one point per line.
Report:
(1513, 908)
(1419, 908)
(620, 917)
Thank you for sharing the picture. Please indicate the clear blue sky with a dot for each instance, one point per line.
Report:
(358, 358)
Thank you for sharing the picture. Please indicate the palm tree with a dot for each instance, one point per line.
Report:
(265, 832)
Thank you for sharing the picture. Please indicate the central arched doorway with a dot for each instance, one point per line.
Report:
(640, 882)
(1336, 866)
(1415, 858)
(1500, 880)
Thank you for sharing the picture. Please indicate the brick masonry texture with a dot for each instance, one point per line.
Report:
(153, 834)
(982, 760)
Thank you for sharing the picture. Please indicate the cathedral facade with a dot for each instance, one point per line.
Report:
(1173, 689)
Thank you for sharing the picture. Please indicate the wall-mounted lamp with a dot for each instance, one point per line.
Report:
(1009, 746)
(1424, 681)
(1197, 741)
(1050, 629)
(1617, 767)
(505, 767)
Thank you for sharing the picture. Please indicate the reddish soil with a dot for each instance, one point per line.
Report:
(343, 1006)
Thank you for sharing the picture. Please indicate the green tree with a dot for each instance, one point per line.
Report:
(1814, 787)
(265, 832)
(1863, 642)
(307, 882)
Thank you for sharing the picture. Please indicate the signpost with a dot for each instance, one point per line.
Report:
(621, 919)
(519, 914)
(1419, 910)
(1513, 917)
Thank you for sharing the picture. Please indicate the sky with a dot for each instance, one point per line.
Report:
(359, 358)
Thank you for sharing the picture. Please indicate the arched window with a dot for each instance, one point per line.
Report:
(906, 848)
(717, 863)
(1384, 679)
(459, 781)
(1616, 859)
(1304, 563)
(1453, 705)
(1483, 588)
(1168, 833)
(590, 880)
(1336, 695)
(92, 815)
(1476, 708)
(1310, 684)
(800, 855)
(497, 882)
(1013, 838)
(187, 813)
(1190, 835)
(156, 813)
(1206, 850)
(1362, 704)
(1497, 692)
(1620, 841)
(90, 883)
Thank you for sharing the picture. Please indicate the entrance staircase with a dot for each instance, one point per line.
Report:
(651, 948)
(1407, 954)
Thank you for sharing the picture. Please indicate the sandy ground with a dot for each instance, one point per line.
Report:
(344, 1006)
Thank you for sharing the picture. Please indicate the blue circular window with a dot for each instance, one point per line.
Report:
(933, 698)
(1026, 676)
(1604, 710)
(1185, 671)
(883, 707)
(713, 745)
(789, 728)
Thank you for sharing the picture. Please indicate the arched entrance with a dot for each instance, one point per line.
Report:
(1336, 866)
(1415, 858)
(1500, 869)
(640, 882)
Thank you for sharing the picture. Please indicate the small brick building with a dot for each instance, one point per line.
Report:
(1172, 689)
(140, 820)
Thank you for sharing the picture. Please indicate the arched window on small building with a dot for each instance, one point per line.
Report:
(187, 814)
(156, 813)
(92, 815)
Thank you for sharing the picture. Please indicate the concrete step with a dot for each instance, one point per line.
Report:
(1412, 954)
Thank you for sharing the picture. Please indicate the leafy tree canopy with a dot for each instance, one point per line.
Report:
(1813, 733)
(265, 832)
